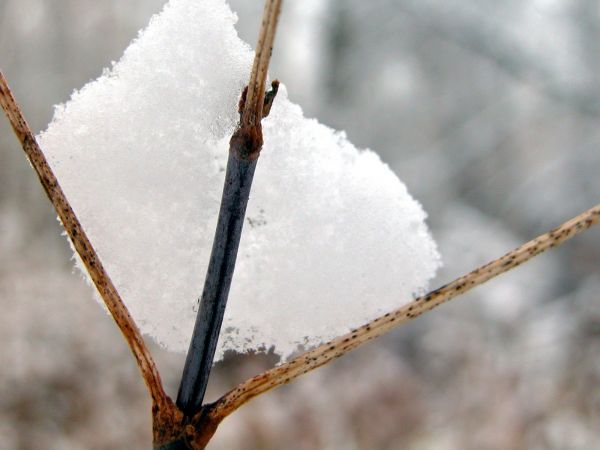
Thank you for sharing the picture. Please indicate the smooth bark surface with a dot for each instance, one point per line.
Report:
(245, 146)
(238, 181)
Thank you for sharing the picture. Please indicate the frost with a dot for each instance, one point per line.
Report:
(332, 237)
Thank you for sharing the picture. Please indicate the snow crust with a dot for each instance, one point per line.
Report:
(332, 237)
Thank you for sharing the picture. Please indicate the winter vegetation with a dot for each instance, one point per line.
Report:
(492, 129)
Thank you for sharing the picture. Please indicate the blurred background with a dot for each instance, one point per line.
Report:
(487, 110)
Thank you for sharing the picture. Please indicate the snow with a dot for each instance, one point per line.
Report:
(332, 237)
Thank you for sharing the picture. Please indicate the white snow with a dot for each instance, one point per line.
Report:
(332, 237)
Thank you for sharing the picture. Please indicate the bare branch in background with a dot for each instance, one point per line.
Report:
(327, 352)
(483, 37)
(164, 411)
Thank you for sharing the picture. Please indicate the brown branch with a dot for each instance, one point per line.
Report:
(163, 409)
(337, 347)
(253, 107)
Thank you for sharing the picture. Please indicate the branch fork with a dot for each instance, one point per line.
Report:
(190, 424)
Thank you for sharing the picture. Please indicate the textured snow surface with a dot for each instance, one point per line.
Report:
(332, 237)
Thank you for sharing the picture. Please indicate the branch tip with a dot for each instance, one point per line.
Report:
(269, 97)
(253, 110)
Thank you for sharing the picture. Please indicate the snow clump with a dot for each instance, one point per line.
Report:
(332, 237)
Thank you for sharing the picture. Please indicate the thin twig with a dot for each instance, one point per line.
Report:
(163, 408)
(244, 150)
(337, 347)
(253, 110)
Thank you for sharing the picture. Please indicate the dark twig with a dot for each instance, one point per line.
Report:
(238, 180)
(244, 150)
(164, 412)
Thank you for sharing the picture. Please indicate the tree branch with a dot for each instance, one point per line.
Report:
(337, 347)
(163, 408)
(244, 150)
(253, 109)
